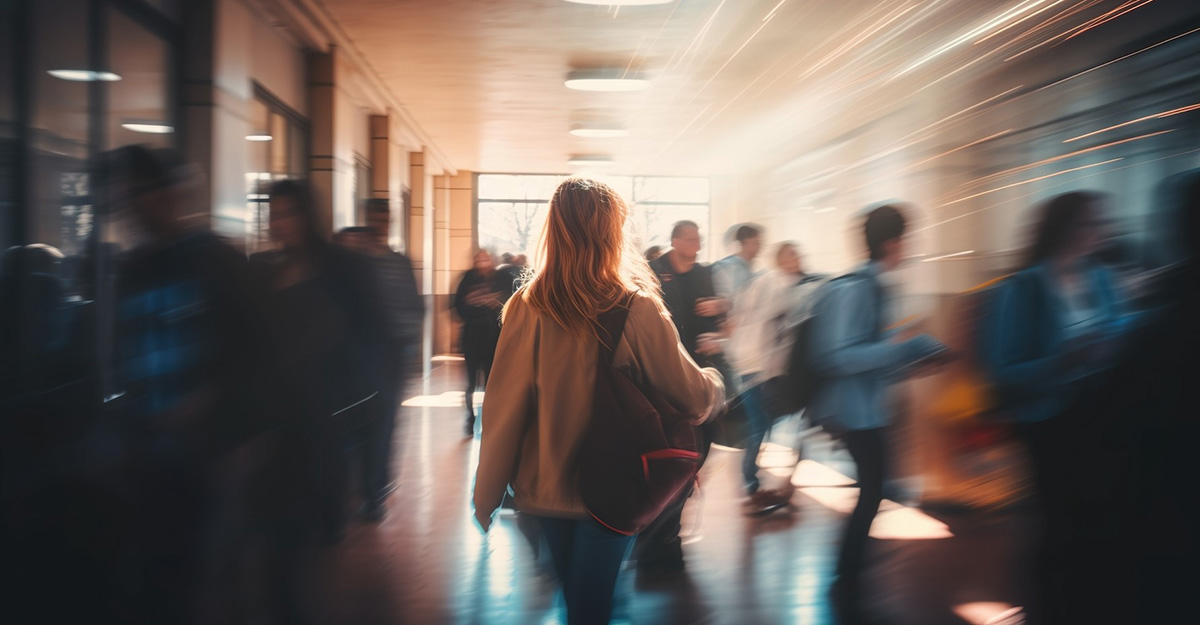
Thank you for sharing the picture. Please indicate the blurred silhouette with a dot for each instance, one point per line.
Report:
(186, 356)
(326, 324)
(1134, 522)
(764, 319)
(478, 300)
(1050, 329)
(860, 358)
(653, 252)
(735, 272)
(404, 314)
(537, 410)
(698, 314)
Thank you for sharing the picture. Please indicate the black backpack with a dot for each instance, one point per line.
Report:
(639, 453)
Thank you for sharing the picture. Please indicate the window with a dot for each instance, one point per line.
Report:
(512, 208)
(278, 149)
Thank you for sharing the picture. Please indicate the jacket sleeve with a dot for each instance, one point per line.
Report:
(722, 279)
(662, 363)
(1010, 313)
(507, 407)
(460, 298)
(843, 341)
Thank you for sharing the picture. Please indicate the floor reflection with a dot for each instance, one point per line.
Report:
(428, 563)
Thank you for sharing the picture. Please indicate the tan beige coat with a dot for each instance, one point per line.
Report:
(539, 399)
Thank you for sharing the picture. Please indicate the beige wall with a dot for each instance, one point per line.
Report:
(219, 86)
(453, 244)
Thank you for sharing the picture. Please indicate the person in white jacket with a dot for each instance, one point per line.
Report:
(763, 321)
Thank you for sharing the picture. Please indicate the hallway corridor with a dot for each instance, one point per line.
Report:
(428, 563)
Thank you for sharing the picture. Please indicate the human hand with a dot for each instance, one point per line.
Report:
(708, 344)
(710, 306)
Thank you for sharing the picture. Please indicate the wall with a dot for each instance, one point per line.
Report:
(246, 49)
(454, 245)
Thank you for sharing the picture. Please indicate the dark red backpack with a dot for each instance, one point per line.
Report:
(639, 453)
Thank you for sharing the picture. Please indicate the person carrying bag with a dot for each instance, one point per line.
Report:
(586, 348)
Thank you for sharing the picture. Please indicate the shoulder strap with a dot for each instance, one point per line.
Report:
(611, 326)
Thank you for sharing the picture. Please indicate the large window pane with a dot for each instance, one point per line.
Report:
(138, 104)
(60, 211)
(517, 187)
(511, 226)
(656, 220)
(506, 225)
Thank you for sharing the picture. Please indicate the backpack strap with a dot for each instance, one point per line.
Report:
(611, 325)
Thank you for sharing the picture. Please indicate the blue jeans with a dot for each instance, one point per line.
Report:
(587, 559)
(757, 423)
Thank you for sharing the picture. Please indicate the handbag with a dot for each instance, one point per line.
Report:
(639, 453)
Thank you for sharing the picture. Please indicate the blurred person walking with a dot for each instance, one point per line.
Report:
(735, 272)
(327, 322)
(1049, 330)
(1145, 413)
(687, 291)
(404, 316)
(859, 359)
(187, 353)
(765, 316)
(539, 405)
(480, 296)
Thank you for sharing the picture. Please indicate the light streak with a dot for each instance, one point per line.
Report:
(1071, 181)
(1103, 65)
(1030, 181)
(1183, 109)
(1088, 25)
(1020, 21)
(1055, 159)
(975, 32)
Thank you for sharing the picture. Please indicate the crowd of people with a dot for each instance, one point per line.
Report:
(1097, 390)
(249, 405)
(250, 402)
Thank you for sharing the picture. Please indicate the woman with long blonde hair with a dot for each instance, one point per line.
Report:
(538, 401)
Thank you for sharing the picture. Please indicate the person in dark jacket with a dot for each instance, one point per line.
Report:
(404, 312)
(480, 297)
(1139, 425)
(327, 323)
(1050, 331)
(687, 290)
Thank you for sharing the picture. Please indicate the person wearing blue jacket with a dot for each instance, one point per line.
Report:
(1047, 332)
(858, 359)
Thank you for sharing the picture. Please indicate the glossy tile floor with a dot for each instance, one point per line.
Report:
(428, 563)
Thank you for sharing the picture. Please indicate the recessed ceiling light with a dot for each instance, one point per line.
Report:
(598, 130)
(83, 75)
(259, 137)
(606, 80)
(622, 3)
(590, 160)
(153, 128)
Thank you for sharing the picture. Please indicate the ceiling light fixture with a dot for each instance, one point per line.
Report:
(152, 128)
(83, 75)
(259, 137)
(598, 130)
(590, 160)
(622, 3)
(606, 80)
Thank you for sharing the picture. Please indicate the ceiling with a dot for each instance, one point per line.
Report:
(734, 81)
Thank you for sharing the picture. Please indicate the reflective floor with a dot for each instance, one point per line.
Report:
(428, 563)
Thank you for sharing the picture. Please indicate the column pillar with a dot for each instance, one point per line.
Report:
(322, 114)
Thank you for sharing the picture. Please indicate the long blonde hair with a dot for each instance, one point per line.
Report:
(586, 265)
